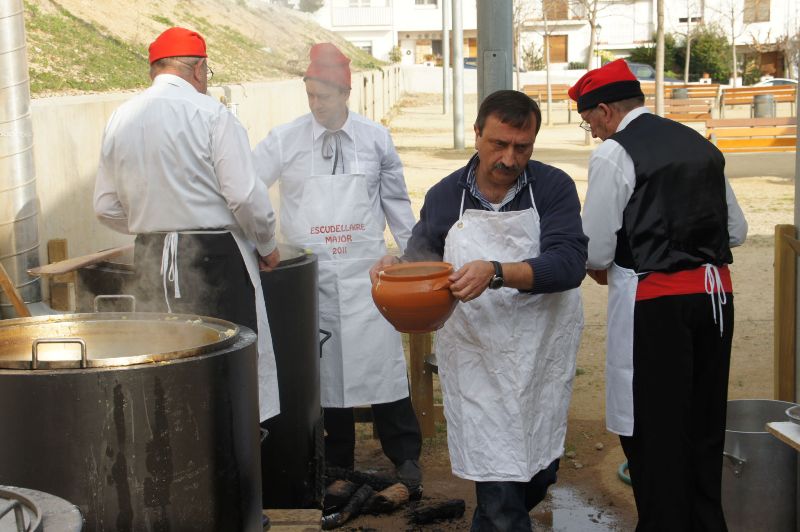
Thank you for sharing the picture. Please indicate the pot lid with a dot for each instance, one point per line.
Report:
(70, 341)
(39, 511)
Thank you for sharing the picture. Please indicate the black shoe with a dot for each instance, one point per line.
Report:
(410, 474)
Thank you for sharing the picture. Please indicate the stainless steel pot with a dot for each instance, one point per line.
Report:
(144, 421)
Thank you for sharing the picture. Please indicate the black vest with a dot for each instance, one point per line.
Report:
(677, 216)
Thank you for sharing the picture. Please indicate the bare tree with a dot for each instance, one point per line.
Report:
(660, 57)
(731, 14)
(590, 11)
(693, 11)
(522, 11)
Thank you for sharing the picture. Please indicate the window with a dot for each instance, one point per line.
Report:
(363, 45)
(756, 10)
(694, 19)
(556, 9)
(360, 3)
(432, 3)
(558, 48)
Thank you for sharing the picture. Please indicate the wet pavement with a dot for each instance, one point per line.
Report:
(566, 510)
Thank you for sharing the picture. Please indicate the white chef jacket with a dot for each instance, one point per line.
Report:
(612, 178)
(287, 152)
(173, 159)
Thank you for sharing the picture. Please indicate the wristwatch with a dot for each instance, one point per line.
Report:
(497, 279)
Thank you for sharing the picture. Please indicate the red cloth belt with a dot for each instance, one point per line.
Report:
(659, 284)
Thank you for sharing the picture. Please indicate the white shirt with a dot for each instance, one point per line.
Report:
(292, 152)
(173, 159)
(612, 179)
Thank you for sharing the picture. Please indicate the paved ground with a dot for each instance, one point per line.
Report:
(589, 494)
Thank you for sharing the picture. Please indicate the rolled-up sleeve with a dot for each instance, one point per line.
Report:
(245, 194)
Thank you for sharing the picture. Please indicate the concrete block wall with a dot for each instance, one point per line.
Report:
(68, 132)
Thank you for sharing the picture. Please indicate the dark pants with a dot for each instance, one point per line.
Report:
(395, 422)
(680, 390)
(505, 506)
(212, 277)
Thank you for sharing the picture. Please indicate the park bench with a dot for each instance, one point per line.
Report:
(688, 109)
(559, 93)
(753, 134)
(744, 95)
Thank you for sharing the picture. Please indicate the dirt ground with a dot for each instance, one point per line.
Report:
(589, 495)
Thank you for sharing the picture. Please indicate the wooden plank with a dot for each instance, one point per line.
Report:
(776, 149)
(786, 431)
(294, 520)
(61, 286)
(785, 313)
(20, 307)
(71, 265)
(777, 131)
(751, 122)
(760, 142)
(421, 379)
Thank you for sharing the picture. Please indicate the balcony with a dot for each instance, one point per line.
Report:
(361, 16)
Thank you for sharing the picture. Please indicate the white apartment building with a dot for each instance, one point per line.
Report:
(415, 26)
(759, 27)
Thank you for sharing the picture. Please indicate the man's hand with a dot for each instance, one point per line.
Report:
(266, 264)
(471, 279)
(600, 276)
(382, 264)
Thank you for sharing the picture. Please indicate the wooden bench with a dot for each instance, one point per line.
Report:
(744, 95)
(559, 93)
(688, 109)
(753, 134)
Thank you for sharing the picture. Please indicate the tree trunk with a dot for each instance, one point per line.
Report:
(734, 70)
(547, 64)
(592, 40)
(688, 59)
(660, 58)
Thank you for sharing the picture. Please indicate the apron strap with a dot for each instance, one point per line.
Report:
(461, 209)
(169, 266)
(713, 285)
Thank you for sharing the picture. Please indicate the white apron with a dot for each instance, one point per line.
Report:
(363, 362)
(268, 397)
(506, 359)
(622, 284)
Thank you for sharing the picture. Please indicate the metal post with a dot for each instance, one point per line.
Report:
(495, 43)
(796, 225)
(446, 56)
(458, 77)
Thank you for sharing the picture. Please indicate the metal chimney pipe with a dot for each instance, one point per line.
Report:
(19, 205)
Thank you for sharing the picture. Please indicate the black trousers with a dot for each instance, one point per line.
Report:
(680, 391)
(212, 277)
(395, 422)
(506, 506)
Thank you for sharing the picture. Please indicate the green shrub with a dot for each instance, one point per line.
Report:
(576, 65)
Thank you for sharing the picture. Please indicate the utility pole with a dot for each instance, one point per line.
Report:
(495, 44)
(458, 77)
(445, 56)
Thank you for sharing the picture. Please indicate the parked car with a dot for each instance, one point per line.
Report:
(470, 62)
(775, 82)
(644, 72)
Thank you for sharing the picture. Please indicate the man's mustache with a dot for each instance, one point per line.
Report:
(504, 168)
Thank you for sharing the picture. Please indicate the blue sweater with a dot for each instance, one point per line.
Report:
(561, 264)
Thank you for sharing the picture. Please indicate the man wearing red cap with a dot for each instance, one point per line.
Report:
(661, 218)
(176, 170)
(341, 181)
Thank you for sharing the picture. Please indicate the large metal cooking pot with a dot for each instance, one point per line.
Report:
(293, 455)
(144, 421)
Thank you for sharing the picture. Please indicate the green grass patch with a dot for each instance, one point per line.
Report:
(65, 53)
(162, 20)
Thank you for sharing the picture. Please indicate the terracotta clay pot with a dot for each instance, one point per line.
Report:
(415, 296)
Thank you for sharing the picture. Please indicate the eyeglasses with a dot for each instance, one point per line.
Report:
(586, 126)
(209, 72)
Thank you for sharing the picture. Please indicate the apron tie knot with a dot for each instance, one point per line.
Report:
(169, 266)
(332, 149)
(713, 285)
